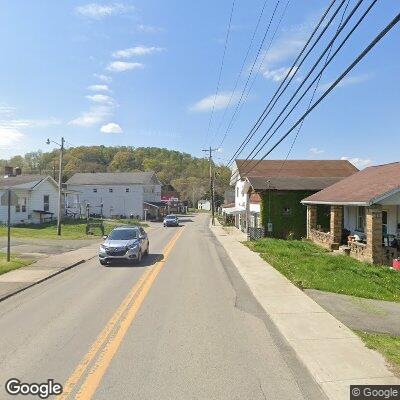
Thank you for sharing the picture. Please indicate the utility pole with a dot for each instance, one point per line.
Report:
(210, 151)
(59, 183)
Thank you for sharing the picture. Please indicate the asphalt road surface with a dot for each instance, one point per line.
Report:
(182, 325)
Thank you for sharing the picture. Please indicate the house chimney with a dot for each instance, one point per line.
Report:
(8, 171)
(17, 171)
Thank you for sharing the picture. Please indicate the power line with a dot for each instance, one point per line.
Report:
(251, 154)
(260, 64)
(222, 66)
(242, 66)
(374, 42)
(291, 69)
(313, 94)
(254, 63)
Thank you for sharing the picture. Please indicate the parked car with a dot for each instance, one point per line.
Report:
(171, 220)
(124, 243)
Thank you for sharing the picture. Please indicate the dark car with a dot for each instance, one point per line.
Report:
(171, 220)
(124, 243)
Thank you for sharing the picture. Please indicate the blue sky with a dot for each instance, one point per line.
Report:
(143, 73)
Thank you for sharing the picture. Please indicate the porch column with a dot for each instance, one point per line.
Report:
(373, 225)
(336, 224)
(311, 218)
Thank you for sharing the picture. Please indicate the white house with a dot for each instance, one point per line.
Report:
(37, 198)
(113, 194)
(204, 205)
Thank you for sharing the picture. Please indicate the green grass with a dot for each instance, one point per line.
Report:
(309, 266)
(15, 263)
(69, 229)
(388, 346)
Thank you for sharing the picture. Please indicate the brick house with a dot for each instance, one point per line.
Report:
(268, 194)
(364, 214)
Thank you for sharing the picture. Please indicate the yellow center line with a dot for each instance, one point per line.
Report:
(141, 288)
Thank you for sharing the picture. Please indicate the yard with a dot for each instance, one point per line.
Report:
(388, 346)
(309, 266)
(72, 229)
(15, 263)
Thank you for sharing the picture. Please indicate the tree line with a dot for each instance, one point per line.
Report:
(188, 175)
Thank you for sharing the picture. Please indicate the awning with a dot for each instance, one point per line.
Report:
(233, 210)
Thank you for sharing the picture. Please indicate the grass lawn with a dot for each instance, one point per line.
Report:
(309, 266)
(388, 346)
(69, 229)
(15, 263)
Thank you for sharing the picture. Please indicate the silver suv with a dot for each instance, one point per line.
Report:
(124, 243)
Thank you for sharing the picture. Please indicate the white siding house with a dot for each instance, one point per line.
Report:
(37, 198)
(112, 194)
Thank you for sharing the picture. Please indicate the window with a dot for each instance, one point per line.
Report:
(21, 206)
(360, 219)
(127, 190)
(94, 190)
(110, 190)
(237, 192)
(384, 222)
(46, 202)
(17, 208)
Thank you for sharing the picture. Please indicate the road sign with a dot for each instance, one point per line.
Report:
(4, 199)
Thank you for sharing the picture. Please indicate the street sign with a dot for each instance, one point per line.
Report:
(4, 199)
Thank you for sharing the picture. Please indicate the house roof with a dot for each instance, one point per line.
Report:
(366, 187)
(292, 183)
(113, 178)
(22, 181)
(295, 168)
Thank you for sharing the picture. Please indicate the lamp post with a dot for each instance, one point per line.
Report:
(48, 141)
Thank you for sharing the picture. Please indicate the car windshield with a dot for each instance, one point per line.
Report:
(170, 217)
(124, 234)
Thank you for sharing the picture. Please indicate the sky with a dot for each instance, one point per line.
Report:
(145, 73)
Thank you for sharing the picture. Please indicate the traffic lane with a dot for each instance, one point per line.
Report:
(189, 340)
(47, 329)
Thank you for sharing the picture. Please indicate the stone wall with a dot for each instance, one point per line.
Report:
(324, 239)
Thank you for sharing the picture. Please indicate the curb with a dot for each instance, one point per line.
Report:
(29, 285)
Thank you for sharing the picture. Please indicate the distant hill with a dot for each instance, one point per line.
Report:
(187, 174)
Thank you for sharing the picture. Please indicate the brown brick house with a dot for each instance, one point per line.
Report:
(364, 214)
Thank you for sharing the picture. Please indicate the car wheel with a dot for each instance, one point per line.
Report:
(139, 257)
(146, 253)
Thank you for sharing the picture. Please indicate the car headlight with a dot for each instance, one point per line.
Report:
(133, 246)
(102, 247)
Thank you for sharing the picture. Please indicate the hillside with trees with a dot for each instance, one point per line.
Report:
(187, 174)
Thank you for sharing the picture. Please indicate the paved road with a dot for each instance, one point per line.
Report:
(185, 327)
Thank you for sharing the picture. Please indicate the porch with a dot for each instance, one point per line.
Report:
(367, 233)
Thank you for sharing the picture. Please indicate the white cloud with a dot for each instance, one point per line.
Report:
(6, 111)
(96, 115)
(99, 88)
(148, 28)
(9, 137)
(120, 66)
(100, 11)
(347, 81)
(316, 151)
(101, 98)
(221, 101)
(278, 74)
(111, 127)
(103, 78)
(358, 162)
(136, 51)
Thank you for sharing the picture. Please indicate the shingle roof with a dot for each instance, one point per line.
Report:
(364, 187)
(295, 168)
(112, 178)
(29, 181)
(292, 183)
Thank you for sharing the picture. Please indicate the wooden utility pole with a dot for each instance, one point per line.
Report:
(210, 151)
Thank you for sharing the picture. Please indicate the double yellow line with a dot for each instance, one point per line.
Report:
(109, 340)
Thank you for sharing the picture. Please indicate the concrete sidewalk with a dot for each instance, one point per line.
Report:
(20, 279)
(333, 354)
